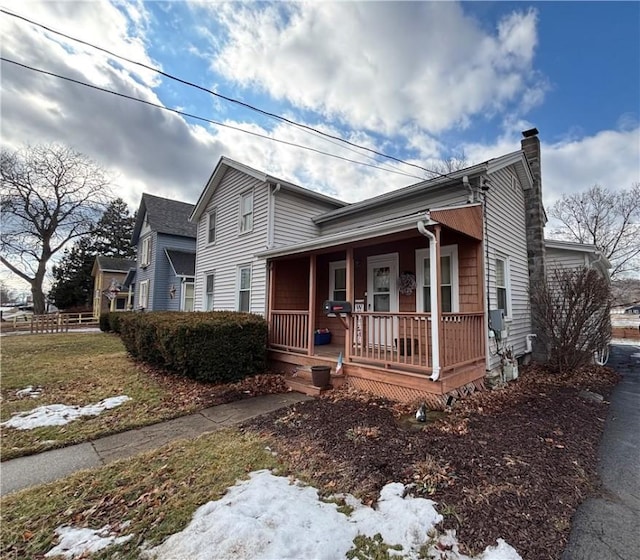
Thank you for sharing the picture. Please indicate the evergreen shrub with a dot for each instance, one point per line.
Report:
(217, 346)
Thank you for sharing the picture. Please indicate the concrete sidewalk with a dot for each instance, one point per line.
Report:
(51, 465)
(606, 527)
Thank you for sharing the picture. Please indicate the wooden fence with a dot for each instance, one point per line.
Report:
(50, 323)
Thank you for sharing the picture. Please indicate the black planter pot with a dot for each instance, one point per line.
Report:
(321, 376)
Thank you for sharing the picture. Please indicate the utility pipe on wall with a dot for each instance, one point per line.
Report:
(435, 325)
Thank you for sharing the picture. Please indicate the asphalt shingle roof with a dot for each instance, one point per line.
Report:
(183, 262)
(165, 216)
(115, 264)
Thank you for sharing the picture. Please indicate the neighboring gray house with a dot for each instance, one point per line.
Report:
(569, 254)
(165, 265)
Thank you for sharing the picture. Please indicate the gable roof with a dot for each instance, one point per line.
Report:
(226, 163)
(182, 262)
(516, 158)
(164, 216)
(111, 264)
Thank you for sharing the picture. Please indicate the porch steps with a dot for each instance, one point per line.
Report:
(300, 381)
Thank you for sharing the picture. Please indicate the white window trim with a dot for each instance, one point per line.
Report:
(205, 307)
(333, 266)
(446, 250)
(507, 286)
(241, 267)
(215, 229)
(244, 195)
(144, 291)
(145, 259)
(185, 282)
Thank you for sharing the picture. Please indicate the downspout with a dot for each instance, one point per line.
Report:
(467, 185)
(435, 326)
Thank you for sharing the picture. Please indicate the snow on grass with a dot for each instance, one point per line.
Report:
(29, 391)
(59, 414)
(75, 542)
(269, 517)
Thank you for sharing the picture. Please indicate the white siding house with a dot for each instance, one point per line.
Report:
(249, 212)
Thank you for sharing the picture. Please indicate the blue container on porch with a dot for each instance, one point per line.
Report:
(322, 337)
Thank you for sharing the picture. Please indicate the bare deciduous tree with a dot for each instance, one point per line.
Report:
(455, 162)
(49, 195)
(571, 311)
(610, 220)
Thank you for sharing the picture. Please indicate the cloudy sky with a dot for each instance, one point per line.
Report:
(420, 81)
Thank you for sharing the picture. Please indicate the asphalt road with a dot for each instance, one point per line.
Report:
(608, 527)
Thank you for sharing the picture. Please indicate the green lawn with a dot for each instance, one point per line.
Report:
(78, 369)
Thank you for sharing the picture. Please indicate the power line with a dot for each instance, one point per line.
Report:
(204, 119)
(225, 97)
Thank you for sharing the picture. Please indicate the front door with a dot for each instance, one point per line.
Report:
(382, 298)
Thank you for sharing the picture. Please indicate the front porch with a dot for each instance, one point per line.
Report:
(387, 344)
(400, 370)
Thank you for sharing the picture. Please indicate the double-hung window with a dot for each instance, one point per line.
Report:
(338, 281)
(211, 228)
(187, 294)
(502, 285)
(144, 294)
(448, 280)
(208, 292)
(244, 288)
(246, 212)
(145, 258)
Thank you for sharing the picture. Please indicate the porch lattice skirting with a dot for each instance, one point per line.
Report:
(408, 394)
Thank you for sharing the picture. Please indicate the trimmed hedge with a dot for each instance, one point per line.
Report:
(104, 322)
(110, 321)
(217, 346)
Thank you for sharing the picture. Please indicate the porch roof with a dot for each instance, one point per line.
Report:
(396, 225)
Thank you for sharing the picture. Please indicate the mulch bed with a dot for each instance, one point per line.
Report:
(513, 463)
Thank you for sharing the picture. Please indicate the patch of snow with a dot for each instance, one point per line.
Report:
(59, 414)
(269, 517)
(75, 542)
(28, 391)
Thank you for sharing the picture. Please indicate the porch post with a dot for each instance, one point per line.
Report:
(272, 293)
(348, 334)
(312, 304)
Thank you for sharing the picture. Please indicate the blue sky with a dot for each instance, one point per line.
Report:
(421, 81)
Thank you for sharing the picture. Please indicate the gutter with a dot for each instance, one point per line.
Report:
(433, 271)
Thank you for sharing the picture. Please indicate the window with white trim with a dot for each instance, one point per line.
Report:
(145, 253)
(209, 282)
(187, 294)
(244, 288)
(143, 301)
(211, 228)
(448, 280)
(338, 281)
(246, 212)
(502, 285)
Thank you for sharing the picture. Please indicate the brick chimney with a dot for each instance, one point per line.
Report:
(535, 222)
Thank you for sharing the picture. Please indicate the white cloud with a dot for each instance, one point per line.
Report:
(609, 158)
(381, 65)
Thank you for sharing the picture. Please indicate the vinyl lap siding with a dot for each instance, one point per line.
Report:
(293, 218)
(163, 272)
(451, 196)
(506, 237)
(559, 258)
(232, 248)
